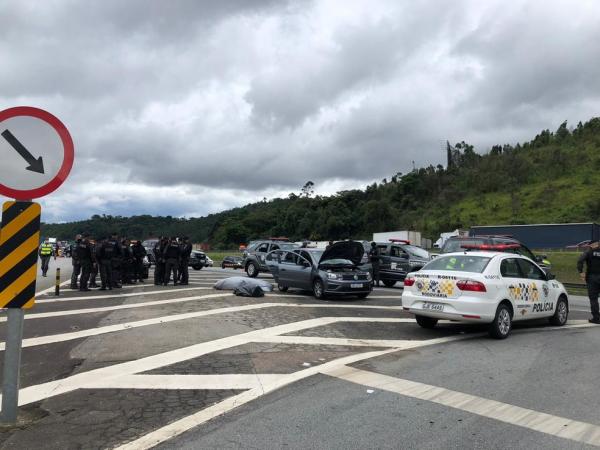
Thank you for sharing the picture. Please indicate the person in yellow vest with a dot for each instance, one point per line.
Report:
(46, 252)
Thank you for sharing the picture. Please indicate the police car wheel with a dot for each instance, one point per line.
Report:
(389, 283)
(282, 288)
(502, 324)
(196, 267)
(318, 289)
(561, 314)
(252, 270)
(426, 322)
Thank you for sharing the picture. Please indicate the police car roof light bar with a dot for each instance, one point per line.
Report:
(491, 247)
(403, 241)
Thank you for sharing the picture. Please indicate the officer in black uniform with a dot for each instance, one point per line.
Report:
(375, 258)
(159, 261)
(126, 262)
(171, 255)
(94, 272)
(591, 258)
(186, 252)
(139, 252)
(86, 260)
(116, 261)
(75, 262)
(105, 253)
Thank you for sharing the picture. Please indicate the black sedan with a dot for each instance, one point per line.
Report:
(233, 262)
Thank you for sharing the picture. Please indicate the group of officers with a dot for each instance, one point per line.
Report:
(121, 261)
(172, 256)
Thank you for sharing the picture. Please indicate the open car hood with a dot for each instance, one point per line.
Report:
(350, 250)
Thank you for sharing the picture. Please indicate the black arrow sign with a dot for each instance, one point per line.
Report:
(35, 165)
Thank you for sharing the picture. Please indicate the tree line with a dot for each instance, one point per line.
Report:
(552, 178)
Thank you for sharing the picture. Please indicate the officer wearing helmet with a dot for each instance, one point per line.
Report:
(75, 261)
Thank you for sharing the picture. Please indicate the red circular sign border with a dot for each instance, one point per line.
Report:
(68, 147)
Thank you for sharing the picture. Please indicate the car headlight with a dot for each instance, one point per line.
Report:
(333, 276)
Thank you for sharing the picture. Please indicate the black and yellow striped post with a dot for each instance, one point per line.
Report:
(19, 241)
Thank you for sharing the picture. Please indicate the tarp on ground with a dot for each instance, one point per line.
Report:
(247, 287)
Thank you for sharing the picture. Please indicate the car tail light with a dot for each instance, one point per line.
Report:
(470, 285)
(409, 281)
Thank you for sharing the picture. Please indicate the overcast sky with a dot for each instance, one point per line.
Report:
(187, 107)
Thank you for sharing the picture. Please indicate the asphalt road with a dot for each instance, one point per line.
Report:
(190, 367)
(66, 269)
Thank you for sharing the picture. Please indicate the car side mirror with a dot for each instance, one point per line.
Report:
(539, 258)
(550, 276)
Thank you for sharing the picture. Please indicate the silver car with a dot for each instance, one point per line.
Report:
(333, 271)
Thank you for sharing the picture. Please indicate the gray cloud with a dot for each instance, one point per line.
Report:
(190, 107)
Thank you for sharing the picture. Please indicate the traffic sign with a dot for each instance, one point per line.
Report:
(19, 240)
(36, 150)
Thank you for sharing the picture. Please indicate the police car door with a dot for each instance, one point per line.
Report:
(538, 290)
(514, 285)
(399, 261)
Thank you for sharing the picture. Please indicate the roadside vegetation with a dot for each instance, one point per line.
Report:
(551, 179)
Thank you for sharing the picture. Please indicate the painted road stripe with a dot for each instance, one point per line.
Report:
(54, 338)
(582, 432)
(187, 423)
(56, 387)
(179, 382)
(105, 296)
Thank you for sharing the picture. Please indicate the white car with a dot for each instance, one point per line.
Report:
(484, 287)
(209, 262)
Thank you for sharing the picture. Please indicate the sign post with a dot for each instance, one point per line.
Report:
(37, 155)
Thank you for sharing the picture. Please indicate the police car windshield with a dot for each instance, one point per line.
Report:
(458, 263)
(416, 251)
(455, 245)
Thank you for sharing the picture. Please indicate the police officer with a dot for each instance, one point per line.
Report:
(46, 252)
(126, 262)
(105, 253)
(94, 272)
(591, 258)
(186, 252)
(159, 268)
(139, 252)
(171, 255)
(115, 263)
(375, 258)
(75, 260)
(86, 261)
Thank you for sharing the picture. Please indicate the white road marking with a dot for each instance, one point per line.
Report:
(582, 432)
(52, 288)
(179, 382)
(117, 295)
(62, 337)
(187, 423)
(117, 307)
(56, 387)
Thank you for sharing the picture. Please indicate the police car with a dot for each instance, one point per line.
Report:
(485, 287)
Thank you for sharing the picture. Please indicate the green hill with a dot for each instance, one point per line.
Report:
(553, 178)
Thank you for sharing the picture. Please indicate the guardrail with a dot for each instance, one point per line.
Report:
(575, 285)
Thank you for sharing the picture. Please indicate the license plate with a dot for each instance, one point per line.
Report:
(433, 306)
(356, 285)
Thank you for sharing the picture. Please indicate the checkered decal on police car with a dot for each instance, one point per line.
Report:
(527, 292)
(443, 287)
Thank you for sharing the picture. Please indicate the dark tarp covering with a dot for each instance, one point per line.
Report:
(245, 287)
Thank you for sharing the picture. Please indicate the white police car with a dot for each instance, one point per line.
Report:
(485, 287)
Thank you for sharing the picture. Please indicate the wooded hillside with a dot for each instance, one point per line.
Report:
(553, 178)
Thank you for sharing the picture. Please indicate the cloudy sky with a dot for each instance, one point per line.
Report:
(187, 107)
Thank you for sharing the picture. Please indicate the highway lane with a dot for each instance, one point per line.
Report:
(191, 367)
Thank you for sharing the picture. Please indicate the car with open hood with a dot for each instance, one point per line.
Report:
(333, 271)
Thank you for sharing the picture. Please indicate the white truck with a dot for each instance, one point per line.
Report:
(414, 237)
